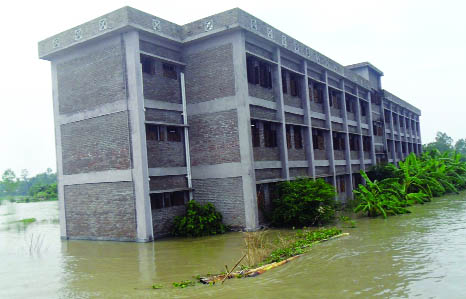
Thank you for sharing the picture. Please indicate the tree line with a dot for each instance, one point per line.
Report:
(444, 143)
(42, 186)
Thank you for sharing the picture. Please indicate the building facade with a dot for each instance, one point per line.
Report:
(150, 114)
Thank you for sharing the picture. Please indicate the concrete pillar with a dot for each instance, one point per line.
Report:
(186, 136)
(349, 178)
(308, 121)
(140, 171)
(328, 120)
(359, 129)
(371, 129)
(58, 148)
(392, 133)
(281, 118)
(244, 130)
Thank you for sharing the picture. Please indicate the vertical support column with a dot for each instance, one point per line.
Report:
(382, 113)
(418, 137)
(329, 141)
(400, 140)
(392, 134)
(281, 118)
(60, 186)
(186, 136)
(358, 119)
(406, 139)
(244, 129)
(349, 178)
(308, 121)
(371, 128)
(140, 171)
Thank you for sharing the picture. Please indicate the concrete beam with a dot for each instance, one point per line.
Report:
(108, 176)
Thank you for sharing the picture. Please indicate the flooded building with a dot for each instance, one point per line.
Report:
(150, 114)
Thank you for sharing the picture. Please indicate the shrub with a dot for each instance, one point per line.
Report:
(303, 202)
(200, 220)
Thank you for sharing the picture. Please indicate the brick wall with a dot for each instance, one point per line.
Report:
(167, 182)
(296, 154)
(269, 173)
(165, 153)
(321, 170)
(92, 80)
(163, 219)
(226, 195)
(161, 88)
(210, 74)
(102, 211)
(320, 154)
(96, 144)
(317, 107)
(319, 123)
(337, 126)
(340, 169)
(298, 172)
(257, 91)
(354, 155)
(214, 138)
(262, 113)
(294, 118)
(166, 116)
(292, 101)
(339, 155)
(266, 153)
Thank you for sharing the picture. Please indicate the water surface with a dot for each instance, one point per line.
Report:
(422, 254)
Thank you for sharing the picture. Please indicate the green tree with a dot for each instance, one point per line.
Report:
(442, 142)
(9, 182)
(460, 146)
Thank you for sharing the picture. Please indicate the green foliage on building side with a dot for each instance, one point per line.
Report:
(24, 188)
(303, 202)
(200, 220)
(415, 181)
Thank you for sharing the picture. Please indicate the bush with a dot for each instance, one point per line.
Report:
(200, 220)
(303, 202)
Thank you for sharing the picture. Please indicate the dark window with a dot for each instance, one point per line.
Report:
(334, 100)
(256, 141)
(169, 71)
(265, 75)
(294, 85)
(363, 108)
(342, 184)
(154, 133)
(174, 134)
(288, 136)
(156, 201)
(338, 141)
(318, 94)
(270, 135)
(178, 198)
(284, 85)
(318, 139)
(366, 143)
(298, 137)
(387, 116)
(259, 72)
(354, 142)
(349, 105)
(148, 65)
(395, 122)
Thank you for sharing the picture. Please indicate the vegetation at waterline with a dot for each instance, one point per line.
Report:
(27, 189)
(303, 202)
(25, 221)
(199, 220)
(415, 180)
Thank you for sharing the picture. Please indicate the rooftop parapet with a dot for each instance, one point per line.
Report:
(393, 98)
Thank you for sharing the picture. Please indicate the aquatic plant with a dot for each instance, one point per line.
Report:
(184, 284)
(199, 220)
(303, 202)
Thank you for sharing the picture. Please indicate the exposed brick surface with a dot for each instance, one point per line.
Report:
(87, 82)
(210, 74)
(96, 144)
(166, 116)
(337, 126)
(269, 173)
(292, 101)
(318, 123)
(105, 211)
(262, 113)
(226, 195)
(355, 168)
(340, 169)
(354, 155)
(257, 91)
(294, 118)
(163, 219)
(214, 138)
(339, 155)
(350, 116)
(161, 88)
(165, 153)
(296, 154)
(352, 129)
(320, 154)
(322, 170)
(266, 154)
(317, 107)
(167, 182)
(298, 172)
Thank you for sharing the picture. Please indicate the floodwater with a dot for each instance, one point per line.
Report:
(422, 254)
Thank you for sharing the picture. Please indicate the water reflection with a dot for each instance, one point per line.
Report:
(422, 254)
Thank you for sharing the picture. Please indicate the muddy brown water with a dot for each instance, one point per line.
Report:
(418, 255)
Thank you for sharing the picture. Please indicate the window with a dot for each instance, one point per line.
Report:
(363, 108)
(334, 100)
(349, 105)
(259, 72)
(377, 128)
(288, 136)
(318, 94)
(298, 137)
(341, 184)
(174, 134)
(168, 199)
(366, 141)
(354, 142)
(154, 133)
(294, 85)
(395, 122)
(338, 141)
(169, 71)
(284, 81)
(318, 139)
(387, 116)
(148, 65)
(270, 135)
(256, 139)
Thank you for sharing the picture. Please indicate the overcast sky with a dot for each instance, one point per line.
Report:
(419, 45)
